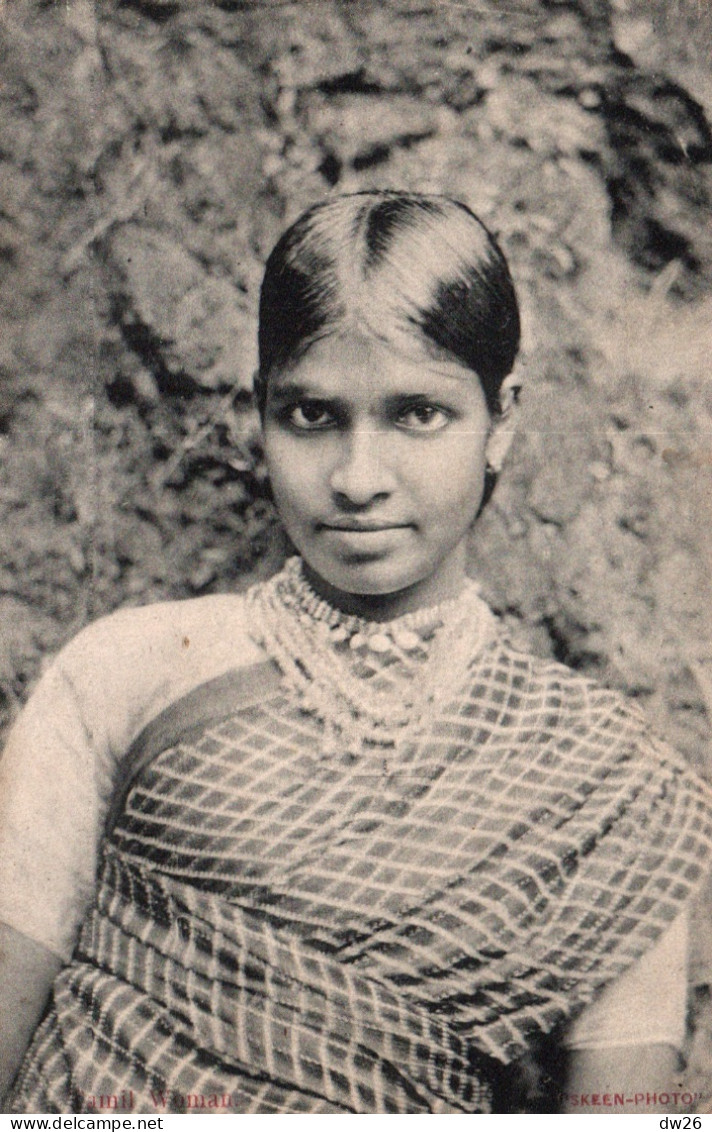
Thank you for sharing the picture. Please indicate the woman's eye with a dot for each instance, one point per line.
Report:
(309, 415)
(423, 418)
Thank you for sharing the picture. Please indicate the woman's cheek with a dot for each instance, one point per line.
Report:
(297, 485)
(456, 477)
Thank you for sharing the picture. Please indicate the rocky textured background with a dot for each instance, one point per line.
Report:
(152, 150)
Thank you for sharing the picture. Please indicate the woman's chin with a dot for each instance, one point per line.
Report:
(378, 587)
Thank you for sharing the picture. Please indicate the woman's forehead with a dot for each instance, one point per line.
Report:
(344, 362)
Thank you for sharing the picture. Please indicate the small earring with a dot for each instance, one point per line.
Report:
(489, 485)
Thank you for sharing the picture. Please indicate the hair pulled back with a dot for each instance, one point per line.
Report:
(417, 271)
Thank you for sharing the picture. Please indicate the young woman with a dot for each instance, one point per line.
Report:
(337, 846)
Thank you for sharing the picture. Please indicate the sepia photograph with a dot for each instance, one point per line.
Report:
(355, 557)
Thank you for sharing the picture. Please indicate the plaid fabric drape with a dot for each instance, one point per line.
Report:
(382, 933)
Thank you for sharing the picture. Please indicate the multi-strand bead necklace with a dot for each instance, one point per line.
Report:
(368, 682)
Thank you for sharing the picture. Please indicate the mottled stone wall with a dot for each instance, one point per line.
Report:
(152, 151)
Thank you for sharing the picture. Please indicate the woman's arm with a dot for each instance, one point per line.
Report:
(606, 1080)
(57, 775)
(27, 971)
(624, 1046)
(64, 753)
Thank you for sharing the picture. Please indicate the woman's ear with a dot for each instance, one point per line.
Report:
(502, 429)
(259, 392)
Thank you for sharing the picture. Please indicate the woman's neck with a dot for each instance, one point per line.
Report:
(389, 606)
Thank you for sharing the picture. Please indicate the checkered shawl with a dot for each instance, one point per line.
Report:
(281, 931)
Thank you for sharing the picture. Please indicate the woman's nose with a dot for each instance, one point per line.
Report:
(360, 474)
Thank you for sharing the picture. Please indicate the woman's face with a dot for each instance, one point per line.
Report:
(377, 466)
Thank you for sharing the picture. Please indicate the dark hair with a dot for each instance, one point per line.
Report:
(408, 268)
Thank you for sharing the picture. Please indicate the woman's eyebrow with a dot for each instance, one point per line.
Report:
(431, 393)
(294, 391)
(414, 395)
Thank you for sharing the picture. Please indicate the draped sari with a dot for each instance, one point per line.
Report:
(281, 930)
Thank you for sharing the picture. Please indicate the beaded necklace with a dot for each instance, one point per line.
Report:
(370, 683)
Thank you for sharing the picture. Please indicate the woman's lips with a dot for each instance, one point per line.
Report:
(360, 543)
(364, 527)
(367, 539)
